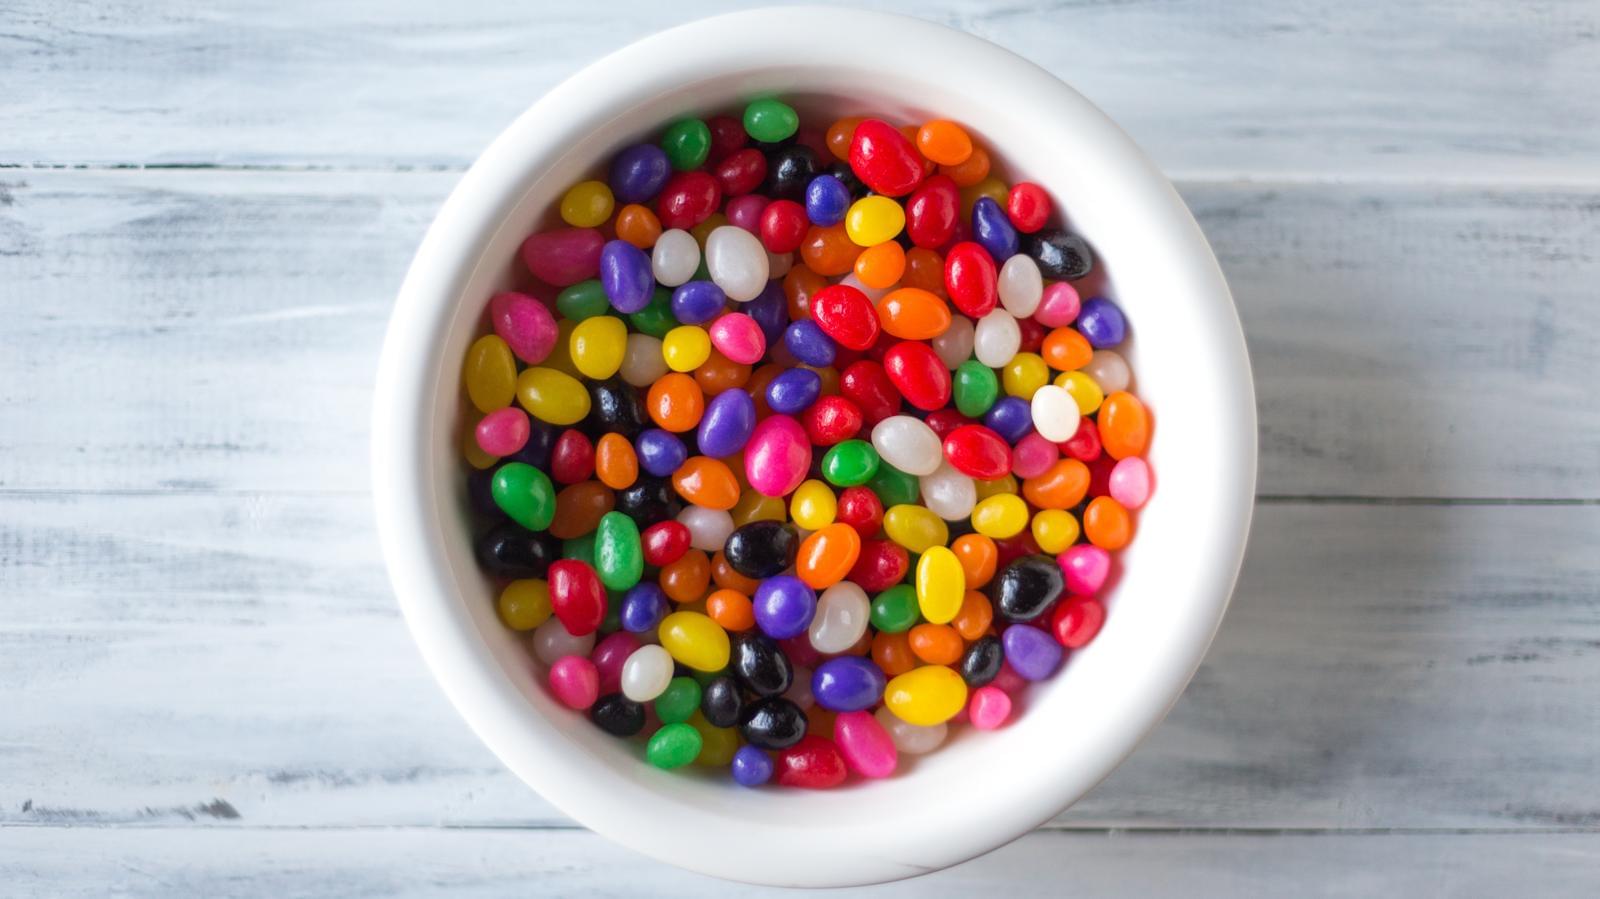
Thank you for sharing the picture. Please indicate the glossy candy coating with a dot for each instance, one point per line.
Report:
(883, 158)
(926, 696)
(1025, 588)
(761, 549)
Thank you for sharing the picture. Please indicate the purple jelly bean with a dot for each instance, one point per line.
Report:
(1031, 652)
(697, 302)
(642, 608)
(808, 344)
(541, 441)
(770, 309)
(752, 767)
(1101, 323)
(745, 212)
(625, 274)
(992, 229)
(660, 452)
(725, 427)
(1011, 418)
(848, 684)
(784, 606)
(565, 256)
(827, 200)
(638, 173)
(793, 391)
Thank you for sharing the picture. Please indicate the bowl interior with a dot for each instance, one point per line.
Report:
(980, 789)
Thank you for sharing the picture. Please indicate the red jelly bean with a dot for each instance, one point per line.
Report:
(741, 172)
(1013, 548)
(865, 383)
(1084, 445)
(861, 509)
(845, 314)
(1076, 620)
(783, 226)
(918, 373)
(688, 199)
(813, 763)
(932, 212)
(969, 279)
(800, 651)
(1100, 476)
(1028, 206)
(943, 421)
(883, 158)
(576, 596)
(881, 565)
(1033, 335)
(572, 458)
(664, 542)
(831, 419)
(727, 137)
(978, 452)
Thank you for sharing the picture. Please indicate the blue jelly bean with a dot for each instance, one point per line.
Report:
(1010, 417)
(660, 452)
(752, 767)
(697, 302)
(1030, 651)
(827, 200)
(725, 427)
(1100, 321)
(848, 684)
(805, 340)
(642, 607)
(770, 309)
(784, 606)
(992, 229)
(626, 277)
(793, 391)
(639, 172)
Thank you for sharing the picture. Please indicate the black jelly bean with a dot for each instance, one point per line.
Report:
(541, 440)
(614, 408)
(649, 500)
(789, 170)
(847, 176)
(510, 550)
(981, 663)
(1062, 256)
(772, 723)
(1023, 590)
(762, 549)
(721, 702)
(760, 665)
(618, 715)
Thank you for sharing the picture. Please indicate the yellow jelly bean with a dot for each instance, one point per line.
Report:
(1054, 530)
(560, 357)
(915, 528)
(490, 373)
(1004, 484)
(717, 744)
(1000, 516)
(524, 604)
(941, 583)
(474, 453)
(686, 347)
(873, 220)
(552, 396)
(695, 640)
(814, 505)
(1024, 375)
(1084, 389)
(598, 345)
(932, 694)
(753, 506)
(587, 204)
(991, 187)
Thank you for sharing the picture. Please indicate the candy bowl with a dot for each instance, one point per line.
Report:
(1012, 768)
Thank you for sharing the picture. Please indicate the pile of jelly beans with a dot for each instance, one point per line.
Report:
(796, 447)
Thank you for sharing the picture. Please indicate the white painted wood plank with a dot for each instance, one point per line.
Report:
(1433, 89)
(219, 330)
(218, 659)
(95, 862)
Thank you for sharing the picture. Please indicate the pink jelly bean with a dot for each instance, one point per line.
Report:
(608, 656)
(575, 682)
(867, 748)
(738, 337)
(745, 212)
(989, 707)
(1008, 679)
(778, 455)
(1058, 307)
(1033, 455)
(565, 256)
(1084, 568)
(503, 431)
(1130, 482)
(525, 324)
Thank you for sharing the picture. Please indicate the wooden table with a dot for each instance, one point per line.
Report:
(205, 213)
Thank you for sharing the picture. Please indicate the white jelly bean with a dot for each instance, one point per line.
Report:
(841, 618)
(873, 293)
(912, 739)
(1020, 285)
(1055, 413)
(551, 642)
(674, 257)
(646, 673)
(954, 346)
(908, 444)
(1109, 370)
(642, 362)
(708, 528)
(997, 338)
(778, 264)
(737, 262)
(948, 493)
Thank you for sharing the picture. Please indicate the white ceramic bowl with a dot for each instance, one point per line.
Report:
(980, 790)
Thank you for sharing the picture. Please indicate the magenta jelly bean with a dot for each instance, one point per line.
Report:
(1085, 568)
(778, 456)
(565, 256)
(575, 682)
(610, 653)
(745, 212)
(503, 431)
(1008, 679)
(1058, 307)
(867, 748)
(738, 337)
(525, 324)
(1130, 482)
(1033, 455)
(989, 707)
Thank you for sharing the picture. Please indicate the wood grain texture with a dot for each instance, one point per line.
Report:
(208, 330)
(1434, 89)
(216, 660)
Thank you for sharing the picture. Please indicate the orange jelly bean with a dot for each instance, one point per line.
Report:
(676, 402)
(924, 270)
(829, 251)
(1107, 523)
(731, 609)
(687, 579)
(828, 555)
(1124, 425)
(728, 579)
(968, 173)
(706, 482)
(892, 653)
(719, 373)
(1065, 349)
(911, 313)
(830, 379)
(615, 462)
(579, 508)
(638, 225)
(944, 142)
(974, 617)
(936, 644)
(881, 266)
(978, 557)
(840, 135)
(801, 284)
(1062, 485)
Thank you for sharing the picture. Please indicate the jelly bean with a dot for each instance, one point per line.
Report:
(564, 256)
(524, 604)
(784, 606)
(991, 188)
(695, 640)
(1054, 530)
(1124, 426)
(783, 226)
(753, 507)
(1028, 207)
(503, 431)
(675, 402)
(948, 493)
(721, 702)
(974, 170)
(761, 549)
(909, 738)
(675, 257)
(686, 348)
(575, 682)
(915, 528)
(660, 452)
(847, 684)
(978, 452)
(978, 556)
(598, 346)
(936, 644)
(1024, 374)
(1031, 652)
(688, 199)
(649, 500)
(656, 318)
(1085, 568)
(638, 172)
(751, 766)
(813, 505)
(865, 744)
(895, 609)
(1058, 305)
(840, 134)
(1060, 255)
(841, 618)
(576, 596)
(1000, 516)
(827, 200)
(955, 345)
(617, 553)
(1033, 455)
(614, 407)
(1011, 417)
(737, 263)
(793, 391)
(673, 746)
(579, 509)
(552, 641)
(1085, 393)
(944, 142)
(789, 169)
(867, 385)
(883, 158)
(881, 266)
(509, 551)
(646, 673)
(1076, 621)
(525, 324)
(727, 424)
(1084, 444)
(971, 281)
(850, 463)
(813, 763)
(918, 374)
(525, 494)
(860, 507)
(913, 314)
(1026, 587)
(732, 610)
(892, 653)
(989, 708)
(831, 419)
(552, 396)
(772, 723)
(729, 579)
(1107, 524)
(679, 701)
(738, 337)
(687, 143)
(941, 584)
(718, 744)
(490, 373)
(642, 361)
(825, 557)
(697, 302)
(587, 204)
(1021, 288)
(746, 211)
(1109, 371)
(846, 315)
(719, 374)
(1130, 482)
(931, 213)
(777, 456)
(1003, 485)
(610, 654)
(642, 608)
(760, 665)
(615, 461)
(727, 136)
(638, 225)
(708, 528)
(926, 696)
(996, 339)
(617, 715)
(908, 444)
(741, 172)
(874, 220)
(992, 230)
(1065, 349)
(1055, 413)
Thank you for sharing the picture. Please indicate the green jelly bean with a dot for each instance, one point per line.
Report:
(975, 388)
(849, 463)
(680, 700)
(673, 746)
(895, 610)
(525, 494)
(894, 487)
(770, 121)
(688, 143)
(618, 557)
(613, 620)
(580, 548)
(583, 300)
(655, 319)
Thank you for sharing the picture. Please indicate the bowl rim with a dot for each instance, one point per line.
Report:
(408, 510)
